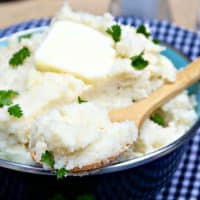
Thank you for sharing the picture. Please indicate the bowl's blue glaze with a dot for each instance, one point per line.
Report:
(177, 58)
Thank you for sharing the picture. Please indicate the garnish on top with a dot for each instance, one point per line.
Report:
(61, 173)
(115, 32)
(80, 100)
(19, 57)
(158, 119)
(6, 99)
(48, 158)
(143, 30)
(15, 111)
(156, 41)
(138, 62)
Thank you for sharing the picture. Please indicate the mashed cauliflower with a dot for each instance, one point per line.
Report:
(80, 134)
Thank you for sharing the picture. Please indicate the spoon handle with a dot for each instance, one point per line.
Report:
(141, 110)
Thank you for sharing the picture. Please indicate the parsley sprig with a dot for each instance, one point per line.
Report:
(48, 158)
(138, 62)
(156, 41)
(115, 31)
(19, 57)
(61, 173)
(15, 111)
(143, 30)
(158, 119)
(6, 99)
(80, 100)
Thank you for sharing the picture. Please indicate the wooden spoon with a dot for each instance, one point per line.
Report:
(141, 110)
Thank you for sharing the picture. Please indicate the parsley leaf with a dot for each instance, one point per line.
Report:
(19, 57)
(26, 36)
(143, 30)
(115, 32)
(48, 158)
(12, 93)
(81, 100)
(15, 111)
(61, 173)
(138, 62)
(6, 97)
(158, 119)
(86, 197)
(156, 41)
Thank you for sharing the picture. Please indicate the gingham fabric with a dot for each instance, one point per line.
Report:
(185, 184)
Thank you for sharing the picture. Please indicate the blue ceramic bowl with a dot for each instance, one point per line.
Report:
(139, 178)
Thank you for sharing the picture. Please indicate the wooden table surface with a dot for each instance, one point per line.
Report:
(183, 11)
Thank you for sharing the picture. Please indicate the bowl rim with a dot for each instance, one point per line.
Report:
(115, 167)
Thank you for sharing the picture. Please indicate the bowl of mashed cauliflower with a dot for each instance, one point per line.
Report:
(58, 84)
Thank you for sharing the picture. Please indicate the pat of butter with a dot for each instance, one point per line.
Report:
(77, 49)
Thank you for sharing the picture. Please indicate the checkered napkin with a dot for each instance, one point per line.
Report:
(185, 184)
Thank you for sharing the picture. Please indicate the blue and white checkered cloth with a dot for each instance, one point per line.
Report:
(185, 184)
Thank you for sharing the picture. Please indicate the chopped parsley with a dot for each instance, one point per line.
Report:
(143, 30)
(48, 158)
(19, 57)
(6, 97)
(158, 119)
(80, 100)
(15, 111)
(138, 62)
(26, 36)
(156, 41)
(115, 31)
(61, 173)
